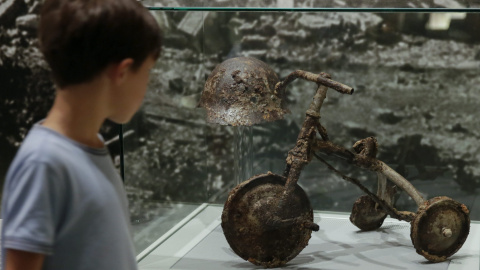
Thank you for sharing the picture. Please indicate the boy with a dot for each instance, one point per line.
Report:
(64, 206)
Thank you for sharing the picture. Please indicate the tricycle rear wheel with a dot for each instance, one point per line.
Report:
(440, 228)
(366, 214)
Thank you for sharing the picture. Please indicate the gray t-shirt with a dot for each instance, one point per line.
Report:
(66, 200)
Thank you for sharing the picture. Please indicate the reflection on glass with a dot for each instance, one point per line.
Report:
(243, 153)
(415, 81)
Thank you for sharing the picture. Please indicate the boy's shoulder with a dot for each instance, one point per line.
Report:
(37, 157)
(45, 153)
(47, 147)
(42, 145)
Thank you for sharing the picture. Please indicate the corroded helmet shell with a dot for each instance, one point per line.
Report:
(241, 91)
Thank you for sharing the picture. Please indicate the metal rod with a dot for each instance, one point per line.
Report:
(394, 213)
(117, 138)
(382, 187)
(403, 183)
(321, 78)
(371, 164)
(318, 99)
(299, 156)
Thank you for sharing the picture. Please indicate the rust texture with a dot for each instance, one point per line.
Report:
(255, 233)
(241, 91)
(301, 154)
(366, 214)
(440, 228)
(358, 160)
(318, 78)
(268, 219)
(368, 163)
(394, 213)
(367, 147)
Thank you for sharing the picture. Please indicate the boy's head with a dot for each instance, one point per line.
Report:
(80, 38)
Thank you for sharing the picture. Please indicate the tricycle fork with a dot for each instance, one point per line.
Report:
(300, 155)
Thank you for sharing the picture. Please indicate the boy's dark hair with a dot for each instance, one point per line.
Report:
(80, 38)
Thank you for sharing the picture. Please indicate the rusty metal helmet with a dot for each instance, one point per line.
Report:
(241, 91)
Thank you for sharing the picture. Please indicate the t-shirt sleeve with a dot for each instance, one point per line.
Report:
(33, 198)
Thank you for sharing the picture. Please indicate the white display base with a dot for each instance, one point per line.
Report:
(198, 243)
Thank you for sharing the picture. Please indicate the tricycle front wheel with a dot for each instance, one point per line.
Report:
(257, 230)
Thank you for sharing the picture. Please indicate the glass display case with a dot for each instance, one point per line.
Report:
(414, 66)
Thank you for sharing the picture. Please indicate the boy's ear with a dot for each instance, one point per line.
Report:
(117, 72)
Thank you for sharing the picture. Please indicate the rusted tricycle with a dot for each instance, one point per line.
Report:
(268, 219)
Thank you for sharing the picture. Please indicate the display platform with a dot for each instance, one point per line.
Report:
(198, 243)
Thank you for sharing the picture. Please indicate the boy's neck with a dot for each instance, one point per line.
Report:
(78, 113)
